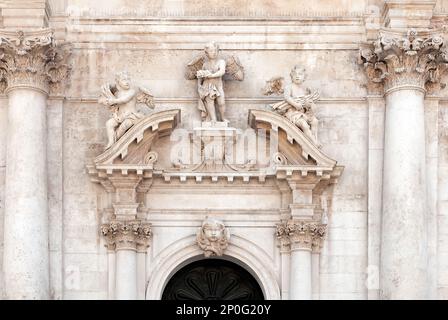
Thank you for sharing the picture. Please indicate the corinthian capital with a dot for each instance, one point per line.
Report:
(301, 234)
(33, 59)
(127, 235)
(404, 60)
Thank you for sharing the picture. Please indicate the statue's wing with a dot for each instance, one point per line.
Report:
(107, 92)
(234, 68)
(274, 86)
(144, 96)
(194, 66)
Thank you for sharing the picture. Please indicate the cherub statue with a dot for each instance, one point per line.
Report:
(210, 69)
(122, 99)
(298, 105)
(213, 237)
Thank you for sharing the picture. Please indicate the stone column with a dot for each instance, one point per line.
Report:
(285, 256)
(318, 233)
(284, 244)
(111, 262)
(31, 65)
(127, 237)
(404, 64)
(300, 234)
(300, 286)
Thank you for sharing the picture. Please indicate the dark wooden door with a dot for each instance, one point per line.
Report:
(212, 279)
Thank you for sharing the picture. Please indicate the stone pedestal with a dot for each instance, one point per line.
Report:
(217, 141)
(25, 14)
(32, 65)
(408, 13)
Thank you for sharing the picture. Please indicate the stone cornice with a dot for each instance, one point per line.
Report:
(400, 60)
(301, 235)
(127, 235)
(33, 60)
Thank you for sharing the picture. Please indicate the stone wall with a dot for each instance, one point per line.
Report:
(331, 68)
(269, 37)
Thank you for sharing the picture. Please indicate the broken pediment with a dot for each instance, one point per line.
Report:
(292, 156)
(134, 147)
(293, 144)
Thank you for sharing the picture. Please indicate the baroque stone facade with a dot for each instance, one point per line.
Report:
(297, 148)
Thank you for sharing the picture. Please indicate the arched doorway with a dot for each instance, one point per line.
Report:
(212, 279)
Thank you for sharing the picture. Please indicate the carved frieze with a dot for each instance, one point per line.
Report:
(35, 60)
(397, 60)
(213, 237)
(127, 235)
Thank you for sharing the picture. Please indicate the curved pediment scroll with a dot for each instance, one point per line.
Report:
(292, 141)
(142, 135)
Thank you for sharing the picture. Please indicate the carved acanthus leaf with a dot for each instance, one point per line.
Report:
(33, 60)
(133, 234)
(305, 234)
(404, 60)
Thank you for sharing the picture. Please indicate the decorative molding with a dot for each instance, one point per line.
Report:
(408, 13)
(410, 60)
(256, 100)
(127, 235)
(157, 123)
(206, 13)
(33, 60)
(273, 122)
(301, 235)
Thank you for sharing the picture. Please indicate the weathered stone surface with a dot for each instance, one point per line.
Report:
(153, 41)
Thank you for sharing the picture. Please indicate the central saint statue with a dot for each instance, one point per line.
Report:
(210, 69)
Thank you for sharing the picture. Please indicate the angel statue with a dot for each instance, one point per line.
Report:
(298, 105)
(213, 237)
(210, 69)
(122, 99)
